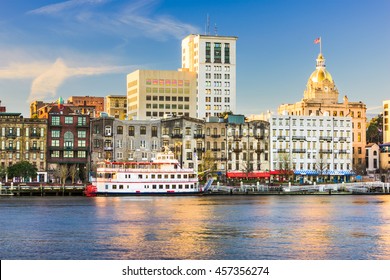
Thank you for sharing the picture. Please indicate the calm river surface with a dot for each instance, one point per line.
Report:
(209, 227)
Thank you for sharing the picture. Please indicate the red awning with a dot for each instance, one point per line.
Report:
(253, 174)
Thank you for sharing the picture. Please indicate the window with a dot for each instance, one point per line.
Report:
(68, 120)
(81, 154)
(68, 139)
(55, 134)
(81, 121)
(142, 130)
(68, 154)
(107, 130)
(119, 130)
(131, 131)
(55, 143)
(54, 154)
(81, 143)
(217, 53)
(81, 134)
(55, 120)
(154, 131)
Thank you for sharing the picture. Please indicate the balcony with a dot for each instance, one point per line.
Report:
(282, 151)
(324, 151)
(176, 135)
(10, 135)
(237, 137)
(215, 149)
(299, 138)
(215, 136)
(237, 150)
(299, 151)
(35, 135)
(197, 136)
(326, 138)
(258, 150)
(35, 149)
(342, 139)
(108, 148)
(200, 150)
(343, 151)
(259, 137)
(281, 138)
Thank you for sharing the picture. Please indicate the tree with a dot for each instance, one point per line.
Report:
(73, 172)
(374, 132)
(22, 169)
(285, 165)
(3, 172)
(321, 165)
(208, 165)
(64, 173)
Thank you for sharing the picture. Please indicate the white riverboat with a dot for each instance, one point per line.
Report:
(164, 175)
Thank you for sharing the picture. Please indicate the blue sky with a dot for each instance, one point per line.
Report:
(86, 47)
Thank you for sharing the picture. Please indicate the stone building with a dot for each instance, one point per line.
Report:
(321, 98)
(23, 139)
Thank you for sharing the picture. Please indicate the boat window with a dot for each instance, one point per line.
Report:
(172, 176)
(180, 186)
(192, 186)
(106, 187)
(139, 176)
(187, 187)
(185, 176)
(153, 176)
(173, 186)
(178, 176)
(121, 187)
(159, 176)
(166, 176)
(114, 187)
(154, 186)
(160, 186)
(166, 186)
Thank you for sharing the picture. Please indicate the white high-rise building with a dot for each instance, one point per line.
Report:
(213, 58)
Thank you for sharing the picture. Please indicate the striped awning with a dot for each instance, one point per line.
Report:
(324, 172)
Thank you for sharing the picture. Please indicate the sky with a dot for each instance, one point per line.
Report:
(68, 48)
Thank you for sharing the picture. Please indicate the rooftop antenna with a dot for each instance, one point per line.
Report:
(215, 29)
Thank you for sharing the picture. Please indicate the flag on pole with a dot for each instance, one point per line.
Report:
(317, 41)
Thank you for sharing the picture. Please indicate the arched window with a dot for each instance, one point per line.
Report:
(68, 139)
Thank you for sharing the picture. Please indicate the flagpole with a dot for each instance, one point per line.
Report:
(320, 45)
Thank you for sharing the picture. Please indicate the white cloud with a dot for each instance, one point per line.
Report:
(59, 7)
(134, 19)
(45, 85)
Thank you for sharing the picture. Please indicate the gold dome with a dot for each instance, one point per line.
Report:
(320, 75)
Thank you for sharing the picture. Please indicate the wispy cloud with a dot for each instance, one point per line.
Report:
(48, 77)
(45, 85)
(63, 6)
(133, 19)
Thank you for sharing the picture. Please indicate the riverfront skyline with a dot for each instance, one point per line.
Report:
(87, 47)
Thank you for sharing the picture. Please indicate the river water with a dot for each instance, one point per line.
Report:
(313, 227)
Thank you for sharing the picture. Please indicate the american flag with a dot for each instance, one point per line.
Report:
(317, 41)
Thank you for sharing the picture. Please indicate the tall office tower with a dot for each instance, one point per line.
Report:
(213, 58)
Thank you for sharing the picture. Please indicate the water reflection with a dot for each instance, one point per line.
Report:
(220, 227)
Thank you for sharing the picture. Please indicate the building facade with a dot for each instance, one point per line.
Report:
(213, 59)
(88, 101)
(321, 98)
(23, 139)
(312, 145)
(386, 121)
(185, 137)
(157, 93)
(372, 159)
(116, 106)
(68, 142)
